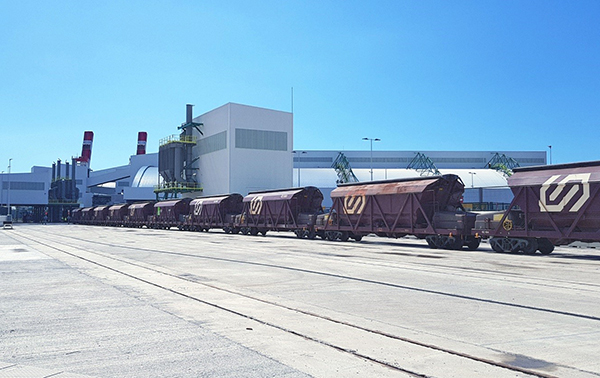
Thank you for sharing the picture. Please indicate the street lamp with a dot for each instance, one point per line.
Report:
(550, 147)
(371, 140)
(298, 152)
(472, 173)
(1, 188)
(9, 218)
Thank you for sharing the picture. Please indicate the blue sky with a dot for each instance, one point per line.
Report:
(420, 75)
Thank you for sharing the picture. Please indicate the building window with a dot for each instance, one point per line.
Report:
(23, 185)
(261, 139)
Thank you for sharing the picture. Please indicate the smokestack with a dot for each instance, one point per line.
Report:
(86, 148)
(188, 113)
(53, 172)
(67, 170)
(58, 169)
(141, 146)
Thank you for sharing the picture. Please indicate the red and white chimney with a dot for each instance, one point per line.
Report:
(141, 146)
(86, 148)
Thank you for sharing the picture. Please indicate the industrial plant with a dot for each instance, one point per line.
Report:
(238, 148)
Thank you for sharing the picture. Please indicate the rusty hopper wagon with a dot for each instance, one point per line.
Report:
(171, 213)
(100, 215)
(427, 207)
(139, 214)
(76, 215)
(214, 212)
(552, 205)
(87, 215)
(281, 210)
(117, 214)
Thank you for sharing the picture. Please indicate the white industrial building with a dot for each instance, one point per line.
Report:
(243, 149)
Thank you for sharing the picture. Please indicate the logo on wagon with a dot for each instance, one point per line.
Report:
(574, 186)
(354, 204)
(198, 208)
(256, 205)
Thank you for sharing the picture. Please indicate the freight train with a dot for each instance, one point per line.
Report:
(553, 205)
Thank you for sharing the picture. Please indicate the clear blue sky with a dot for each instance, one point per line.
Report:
(420, 75)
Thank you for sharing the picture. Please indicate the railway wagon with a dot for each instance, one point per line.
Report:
(139, 214)
(294, 209)
(552, 205)
(170, 213)
(117, 214)
(100, 215)
(87, 215)
(427, 207)
(76, 215)
(214, 212)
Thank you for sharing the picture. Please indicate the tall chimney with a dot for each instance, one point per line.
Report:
(86, 148)
(53, 172)
(141, 146)
(188, 113)
(67, 169)
(58, 169)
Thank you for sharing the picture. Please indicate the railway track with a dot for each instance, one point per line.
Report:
(360, 340)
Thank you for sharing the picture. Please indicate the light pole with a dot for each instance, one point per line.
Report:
(9, 218)
(299, 152)
(550, 147)
(472, 173)
(371, 140)
(1, 188)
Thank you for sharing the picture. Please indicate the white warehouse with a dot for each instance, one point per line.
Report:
(244, 149)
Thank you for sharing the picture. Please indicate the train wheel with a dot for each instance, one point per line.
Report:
(312, 234)
(253, 231)
(430, 239)
(344, 236)
(455, 243)
(531, 247)
(473, 244)
(496, 246)
(357, 238)
(263, 232)
(299, 234)
(545, 246)
(227, 229)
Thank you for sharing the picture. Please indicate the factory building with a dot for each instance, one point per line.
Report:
(238, 149)
(243, 149)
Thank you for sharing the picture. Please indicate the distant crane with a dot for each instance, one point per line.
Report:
(503, 164)
(343, 169)
(424, 165)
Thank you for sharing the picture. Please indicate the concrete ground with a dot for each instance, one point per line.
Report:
(113, 302)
